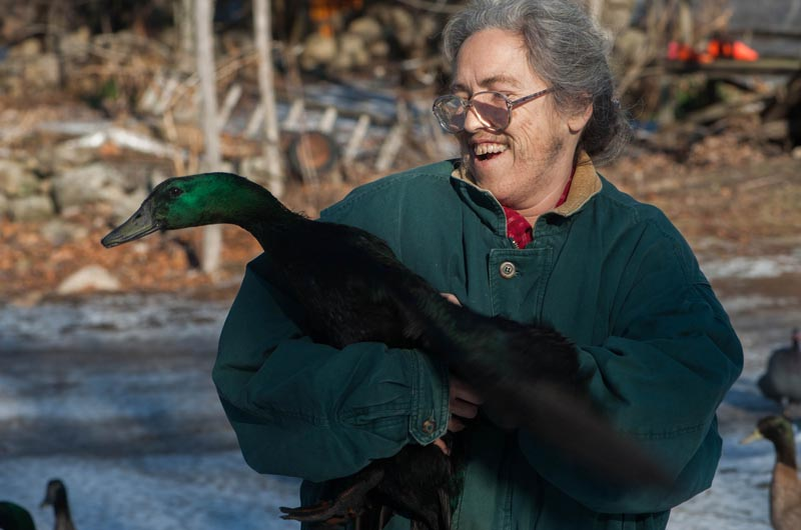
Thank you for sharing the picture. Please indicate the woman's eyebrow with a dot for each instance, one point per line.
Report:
(489, 82)
(499, 79)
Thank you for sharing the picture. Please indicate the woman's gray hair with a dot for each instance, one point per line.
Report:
(567, 50)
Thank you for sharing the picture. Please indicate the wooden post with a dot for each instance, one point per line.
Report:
(328, 120)
(356, 139)
(272, 152)
(204, 13)
(230, 101)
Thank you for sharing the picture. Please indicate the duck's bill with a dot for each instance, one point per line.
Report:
(138, 226)
(756, 435)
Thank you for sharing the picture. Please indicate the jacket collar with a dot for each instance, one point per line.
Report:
(586, 184)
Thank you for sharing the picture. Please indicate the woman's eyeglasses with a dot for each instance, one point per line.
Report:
(493, 110)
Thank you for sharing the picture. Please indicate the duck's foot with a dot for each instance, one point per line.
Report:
(347, 506)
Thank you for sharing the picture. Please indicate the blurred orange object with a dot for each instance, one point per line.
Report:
(731, 49)
(678, 51)
(718, 48)
(322, 11)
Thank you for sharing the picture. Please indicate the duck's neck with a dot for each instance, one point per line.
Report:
(63, 518)
(256, 210)
(785, 455)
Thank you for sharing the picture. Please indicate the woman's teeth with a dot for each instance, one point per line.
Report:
(486, 149)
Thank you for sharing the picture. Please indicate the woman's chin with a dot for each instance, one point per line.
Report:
(489, 170)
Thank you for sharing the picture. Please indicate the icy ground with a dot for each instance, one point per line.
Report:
(130, 421)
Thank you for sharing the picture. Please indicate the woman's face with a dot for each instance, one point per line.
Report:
(524, 164)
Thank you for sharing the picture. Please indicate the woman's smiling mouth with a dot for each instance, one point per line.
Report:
(488, 150)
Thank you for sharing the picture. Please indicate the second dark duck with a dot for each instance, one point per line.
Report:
(353, 289)
(781, 381)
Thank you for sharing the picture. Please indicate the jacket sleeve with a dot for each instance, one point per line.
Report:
(312, 411)
(659, 376)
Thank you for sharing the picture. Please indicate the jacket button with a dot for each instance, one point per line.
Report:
(429, 425)
(508, 269)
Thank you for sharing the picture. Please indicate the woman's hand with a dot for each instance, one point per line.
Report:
(463, 401)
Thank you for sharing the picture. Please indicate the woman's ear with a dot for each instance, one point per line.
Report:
(577, 122)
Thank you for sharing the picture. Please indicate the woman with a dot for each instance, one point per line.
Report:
(522, 226)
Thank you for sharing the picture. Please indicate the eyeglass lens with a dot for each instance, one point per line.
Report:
(491, 107)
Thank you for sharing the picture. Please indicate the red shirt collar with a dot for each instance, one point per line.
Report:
(518, 229)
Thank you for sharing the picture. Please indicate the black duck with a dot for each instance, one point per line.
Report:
(785, 488)
(781, 381)
(529, 377)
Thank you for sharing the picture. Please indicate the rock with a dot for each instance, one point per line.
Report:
(403, 26)
(319, 50)
(76, 44)
(353, 53)
(4, 207)
(16, 180)
(796, 152)
(66, 155)
(31, 208)
(27, 48)
(89, 278)
(42, 71)
(380, 49)
(57, 232)
(96, 182)
(368, 28)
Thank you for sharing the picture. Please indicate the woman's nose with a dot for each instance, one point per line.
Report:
(472, 122)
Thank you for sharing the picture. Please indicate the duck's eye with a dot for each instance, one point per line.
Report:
(175, 192)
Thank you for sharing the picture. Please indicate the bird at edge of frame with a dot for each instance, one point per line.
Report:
(785, 487)
(526, 373)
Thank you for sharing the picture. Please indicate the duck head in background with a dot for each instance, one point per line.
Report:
(785, 487)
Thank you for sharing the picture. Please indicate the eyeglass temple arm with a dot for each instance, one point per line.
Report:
(524, 99)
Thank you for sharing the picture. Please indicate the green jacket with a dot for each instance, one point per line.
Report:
(656, 349)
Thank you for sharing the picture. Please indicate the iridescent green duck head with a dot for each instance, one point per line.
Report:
(197, 200)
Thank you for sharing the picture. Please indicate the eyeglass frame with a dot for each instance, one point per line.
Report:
(468, 104)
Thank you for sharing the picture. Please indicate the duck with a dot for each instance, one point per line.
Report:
(781, 381)
(785, 487)
(15, 517)
(56, 496)
(364, 293)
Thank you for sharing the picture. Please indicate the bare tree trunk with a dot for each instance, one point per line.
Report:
(272, 152)
(184, 20)
(204, 13)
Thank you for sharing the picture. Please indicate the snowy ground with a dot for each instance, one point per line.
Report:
(133, 426)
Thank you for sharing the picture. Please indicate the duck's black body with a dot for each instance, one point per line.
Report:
(351, 288)
(782, 379)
